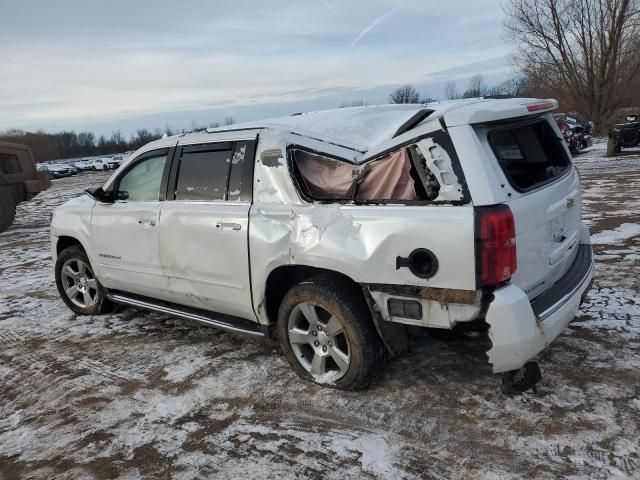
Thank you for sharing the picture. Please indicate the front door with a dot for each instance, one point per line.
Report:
(204, 227)
(125, 232)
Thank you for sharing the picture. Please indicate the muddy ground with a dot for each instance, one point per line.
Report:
(135, 395)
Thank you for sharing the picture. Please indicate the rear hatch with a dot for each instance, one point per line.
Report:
(543, 193)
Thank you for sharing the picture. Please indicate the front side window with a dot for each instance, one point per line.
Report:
(143, 181)
(529, 155)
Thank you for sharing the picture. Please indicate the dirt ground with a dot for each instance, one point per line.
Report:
(134, 395)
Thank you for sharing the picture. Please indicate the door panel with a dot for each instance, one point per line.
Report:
(125, 241)
(125, 233)
(204, 250)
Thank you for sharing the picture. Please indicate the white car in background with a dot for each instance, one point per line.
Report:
(99, 164)
(115, 162)
(83, 165)
(335, 231)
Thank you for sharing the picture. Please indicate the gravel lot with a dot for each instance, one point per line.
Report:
(135, 395)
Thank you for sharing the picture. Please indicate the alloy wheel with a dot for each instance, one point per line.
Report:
(79, 283)
(319, 342)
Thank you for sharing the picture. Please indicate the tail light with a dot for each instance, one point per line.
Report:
(496, 244)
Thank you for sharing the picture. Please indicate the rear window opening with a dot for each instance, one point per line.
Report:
(530, 155)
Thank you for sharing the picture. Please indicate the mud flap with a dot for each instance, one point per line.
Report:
(393, 335)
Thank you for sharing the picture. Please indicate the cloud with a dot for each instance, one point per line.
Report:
(86, 62)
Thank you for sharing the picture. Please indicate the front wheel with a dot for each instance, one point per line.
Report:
(327, 335)
(77, 284)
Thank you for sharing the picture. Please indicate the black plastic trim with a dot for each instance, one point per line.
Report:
(570, 281)
(415, 120)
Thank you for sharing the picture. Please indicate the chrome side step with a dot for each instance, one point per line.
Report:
(207, 318)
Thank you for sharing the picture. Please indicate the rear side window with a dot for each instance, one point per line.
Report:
(388, 178)
(529, 155)
(203, 175)
(9, 164)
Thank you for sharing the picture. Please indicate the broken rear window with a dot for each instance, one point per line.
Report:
(392, 177)
(529, 155)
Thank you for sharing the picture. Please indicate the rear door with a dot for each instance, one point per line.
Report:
(204, 227)
(543, 192)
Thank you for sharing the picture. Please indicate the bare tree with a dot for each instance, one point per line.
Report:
(228, 121)
(451, 91)
(513, 87)
(477, 87)
(406, 94)
(586, 53)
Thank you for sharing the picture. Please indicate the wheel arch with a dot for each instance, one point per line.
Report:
(281, 279)
(66, 241)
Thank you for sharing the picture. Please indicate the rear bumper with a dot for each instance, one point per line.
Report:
(520, 328)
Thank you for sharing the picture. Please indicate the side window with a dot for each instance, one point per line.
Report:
(384, 179)
(9, 164)
(241, 176)
(143, 181)
(203, 174)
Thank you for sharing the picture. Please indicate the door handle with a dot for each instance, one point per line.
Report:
(229, 226)
(147, 223)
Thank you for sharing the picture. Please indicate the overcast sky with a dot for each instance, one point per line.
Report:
(106, 65)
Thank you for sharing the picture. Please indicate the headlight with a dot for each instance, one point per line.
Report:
(615, 130)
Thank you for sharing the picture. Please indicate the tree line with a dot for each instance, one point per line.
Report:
(70, 144)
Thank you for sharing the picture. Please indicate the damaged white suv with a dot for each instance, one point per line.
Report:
(336, 230)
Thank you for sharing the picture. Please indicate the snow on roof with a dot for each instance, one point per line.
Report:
(362, 128)
(357, 128)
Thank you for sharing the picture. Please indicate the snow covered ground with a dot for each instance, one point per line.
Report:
(135, 395)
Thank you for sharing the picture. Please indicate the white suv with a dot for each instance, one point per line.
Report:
(335, 231)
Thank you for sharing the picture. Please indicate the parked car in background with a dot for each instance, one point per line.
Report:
(19, 180)
(100, 164)
(336, 231)
(114, 162)
(577, 135)
(56, 170)
(624, 135)
(83, 165)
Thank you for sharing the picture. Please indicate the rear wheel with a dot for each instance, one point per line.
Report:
(7, 211)
(78, 285)
(327, 335)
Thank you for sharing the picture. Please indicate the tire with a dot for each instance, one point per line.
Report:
(73, 269)
(7, 211)
(611, 148)
(340, 341)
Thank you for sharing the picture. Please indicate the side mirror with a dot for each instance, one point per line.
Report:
(95, 192)
(98, 193)
(122, 195)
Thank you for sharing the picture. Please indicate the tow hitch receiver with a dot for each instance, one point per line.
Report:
(519, 381)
